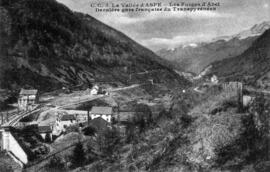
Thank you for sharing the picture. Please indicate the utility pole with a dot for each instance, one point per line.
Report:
(27, 103)
(7, 116)
(88, 116)
(2, 118)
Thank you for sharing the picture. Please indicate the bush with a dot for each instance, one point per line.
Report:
(72, 128)
(89, 131)
(131, 134)
(55, 165)
(5, 168)
(186, 120)
(143, 112)
(251, 146)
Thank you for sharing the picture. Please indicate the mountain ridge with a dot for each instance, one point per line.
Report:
(46, 45)
(195, 57)
(251, 67)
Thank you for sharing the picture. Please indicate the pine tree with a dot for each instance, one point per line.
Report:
(78, 157)
(131, 134)
(108, 142)
(142, 125)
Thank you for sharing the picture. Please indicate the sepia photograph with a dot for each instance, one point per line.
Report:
(134, 85)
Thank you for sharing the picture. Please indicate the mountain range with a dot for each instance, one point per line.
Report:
(251, 67)
(197, 56)
(46, 45)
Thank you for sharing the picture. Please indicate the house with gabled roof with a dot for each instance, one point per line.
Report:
(45, 132)
(214, 79)
(27, 98)
(103, 112)
(65, 120)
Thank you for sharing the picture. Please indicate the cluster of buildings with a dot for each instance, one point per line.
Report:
(98, 117)
(95, 90)
(67, 118)
(29, 98)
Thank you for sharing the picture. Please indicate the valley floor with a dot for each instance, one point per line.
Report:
(189, 130)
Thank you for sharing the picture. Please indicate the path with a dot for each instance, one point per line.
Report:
(197, 90)
(124, 88)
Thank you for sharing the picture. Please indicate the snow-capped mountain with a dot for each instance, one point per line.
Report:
(197, 56)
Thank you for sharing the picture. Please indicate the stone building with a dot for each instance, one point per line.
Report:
(27, 99)
(103, 112)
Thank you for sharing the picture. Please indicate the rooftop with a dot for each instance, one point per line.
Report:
(99, 124)
(28, 92)
(68, 117)
(102, 110)
(44, 129)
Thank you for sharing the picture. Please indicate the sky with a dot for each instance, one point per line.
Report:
(158, 30)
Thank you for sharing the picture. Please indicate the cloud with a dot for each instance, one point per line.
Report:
(176, 41)
(120, 18)
(158, 30)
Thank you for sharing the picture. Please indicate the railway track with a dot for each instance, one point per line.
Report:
(18, 116)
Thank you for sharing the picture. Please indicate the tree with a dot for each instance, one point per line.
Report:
(142, 125)
(108, 142)
(143, 115)
(260, 109)
(90, 131)
(78, 158)
(55, 164)
(131, 133)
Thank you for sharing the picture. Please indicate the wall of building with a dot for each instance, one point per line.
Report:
(81, 115)
(11, 144)
(94, 92)
(247, 100)
(234, 89)
(67, 123)
(25, 101)
(43, 135)
(105, 117)
(1, 141)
